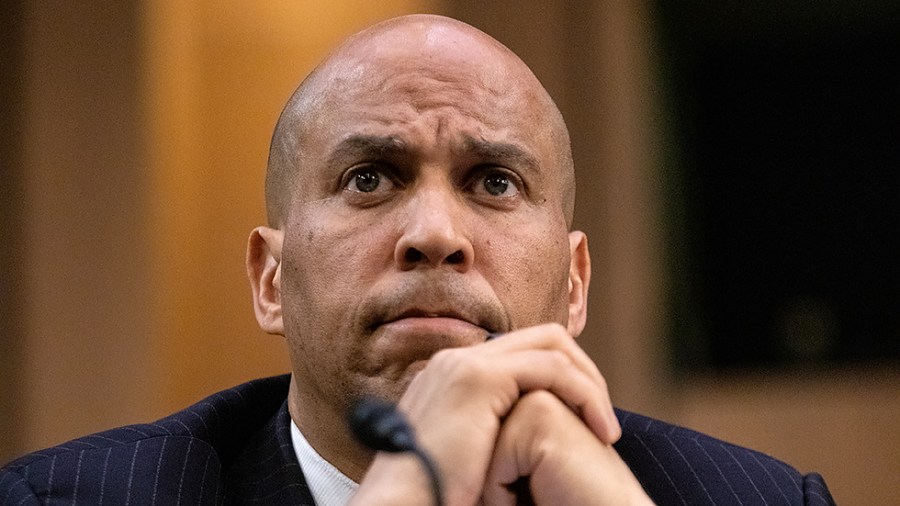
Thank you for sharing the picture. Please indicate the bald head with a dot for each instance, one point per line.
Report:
(441, 48)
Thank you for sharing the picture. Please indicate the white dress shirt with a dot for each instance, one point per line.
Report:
(329, 487)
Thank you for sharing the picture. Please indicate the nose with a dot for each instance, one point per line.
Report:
(434, 234)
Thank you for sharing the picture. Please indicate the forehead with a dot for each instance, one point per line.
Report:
(433, 97)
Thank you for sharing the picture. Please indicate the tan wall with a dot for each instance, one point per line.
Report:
(146, 129)
(85, 267)
(840, 423)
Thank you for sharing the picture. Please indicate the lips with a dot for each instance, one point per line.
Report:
(432, 303)
(407, 322)
(414, 335)
(434, 325)
(431, 313)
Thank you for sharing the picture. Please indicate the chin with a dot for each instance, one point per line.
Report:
(391, 389)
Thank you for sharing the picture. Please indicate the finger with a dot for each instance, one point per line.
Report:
(497, 494)
(555, 337)
(552, 370)
(505, 469)
(547, 336)
(565, 463)
(519, 450)
(463, 380)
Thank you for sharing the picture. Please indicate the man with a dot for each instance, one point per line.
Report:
(420, 192)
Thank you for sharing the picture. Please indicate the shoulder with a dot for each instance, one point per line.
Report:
(187, 447)
(681, 466)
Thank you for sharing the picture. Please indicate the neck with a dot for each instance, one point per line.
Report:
(327, 432)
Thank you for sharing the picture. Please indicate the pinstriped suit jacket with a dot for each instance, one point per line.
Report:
(235, 448)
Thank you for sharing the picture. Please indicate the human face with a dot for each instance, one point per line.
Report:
(427, 212)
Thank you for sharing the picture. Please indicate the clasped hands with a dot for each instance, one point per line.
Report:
(529, 404)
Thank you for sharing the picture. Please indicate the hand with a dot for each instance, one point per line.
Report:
(544, 441)
(458, 401)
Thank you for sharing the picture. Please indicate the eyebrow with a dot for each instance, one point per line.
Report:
(366, 146)
(388, 146)
(504, 152)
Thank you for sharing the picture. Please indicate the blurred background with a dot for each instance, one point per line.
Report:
(737, 169)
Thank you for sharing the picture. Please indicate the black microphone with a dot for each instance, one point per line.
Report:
(380, 426)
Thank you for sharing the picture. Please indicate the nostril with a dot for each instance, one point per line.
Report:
(456, 257)
(413, 255)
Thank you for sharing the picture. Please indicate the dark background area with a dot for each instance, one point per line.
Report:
(11, 212)
(786, 121)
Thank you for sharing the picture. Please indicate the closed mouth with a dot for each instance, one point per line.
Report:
(430, 313)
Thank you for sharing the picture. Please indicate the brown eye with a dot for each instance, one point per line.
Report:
(366, 181)
(496, 184)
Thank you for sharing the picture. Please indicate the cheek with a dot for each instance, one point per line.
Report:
(308, 259)
(324, 269)
(529, 265)
(328, 258)
(325, 243)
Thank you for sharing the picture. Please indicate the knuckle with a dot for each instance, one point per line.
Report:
(455, 364)
(601, 382)
(539, 399)
(557, 335)
(556, 330)
(539, 406)
(442, 357)
(561, 358)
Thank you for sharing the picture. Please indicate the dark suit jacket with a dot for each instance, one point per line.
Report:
(235, 448)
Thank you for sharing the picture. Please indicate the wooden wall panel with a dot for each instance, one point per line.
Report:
(12, 243)
(216, 79)
(85, 327)
(144, 129)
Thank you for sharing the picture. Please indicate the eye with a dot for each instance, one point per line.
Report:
(367, 180)
(497, 183)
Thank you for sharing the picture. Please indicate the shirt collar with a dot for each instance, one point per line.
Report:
(329, 486)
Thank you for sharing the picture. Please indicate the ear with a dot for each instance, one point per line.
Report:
(579, 279)
(264, 271)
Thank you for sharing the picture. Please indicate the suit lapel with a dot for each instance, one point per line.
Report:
(266, 471)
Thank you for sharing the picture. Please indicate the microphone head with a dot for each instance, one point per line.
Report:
(380, 426)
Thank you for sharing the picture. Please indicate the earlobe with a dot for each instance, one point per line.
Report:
(579, 280)
(264, 272)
